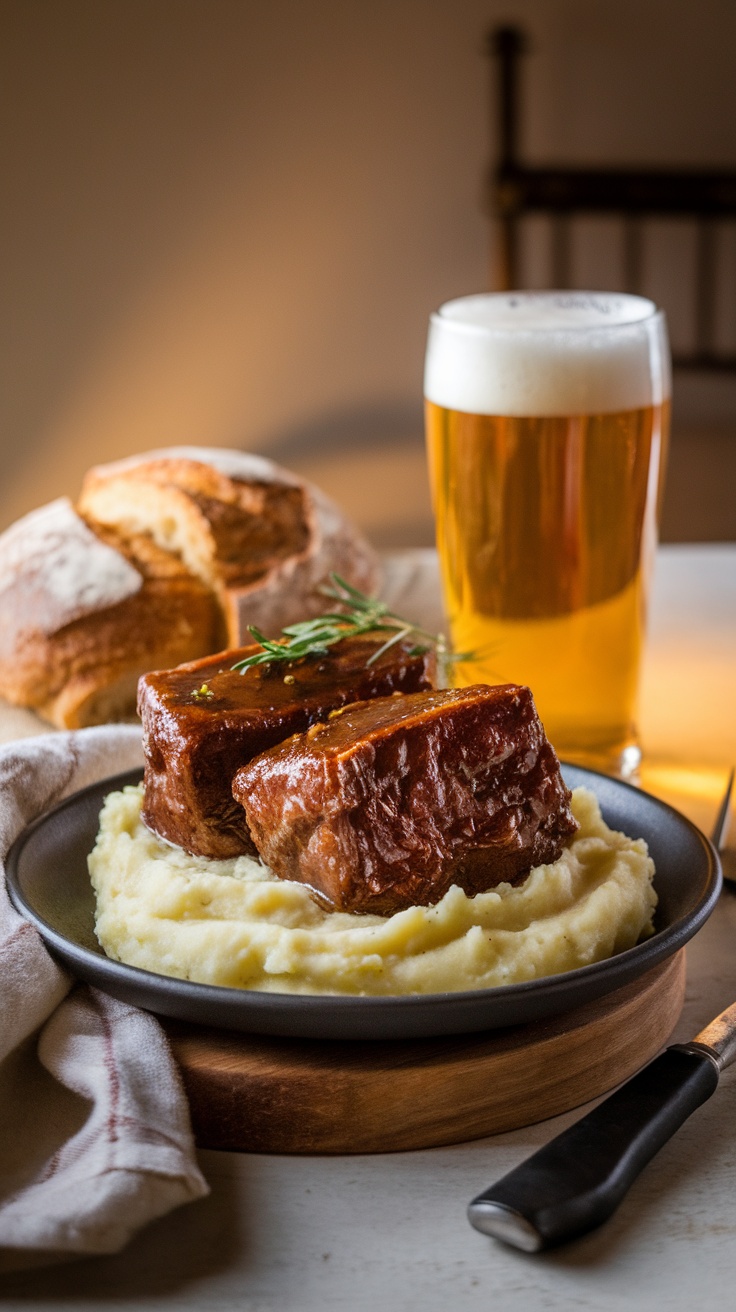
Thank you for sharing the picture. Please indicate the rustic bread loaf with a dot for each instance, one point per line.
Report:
(83, 614)
(168, 557)
(259, 537)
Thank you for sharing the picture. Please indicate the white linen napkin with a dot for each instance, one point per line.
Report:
(95, 1136)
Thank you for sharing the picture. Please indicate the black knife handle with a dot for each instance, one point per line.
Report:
(575, 1182)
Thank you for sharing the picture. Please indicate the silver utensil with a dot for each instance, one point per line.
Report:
(721, 826)
(576, 1182)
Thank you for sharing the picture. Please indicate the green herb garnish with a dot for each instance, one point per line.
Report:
(360, 615)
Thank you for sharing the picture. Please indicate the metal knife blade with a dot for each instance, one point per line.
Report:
(718, 1039)
(720, 829)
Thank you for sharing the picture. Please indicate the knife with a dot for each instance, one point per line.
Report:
(577, 1181)
(720, 830)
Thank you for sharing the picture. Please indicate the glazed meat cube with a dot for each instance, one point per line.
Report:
(202, 721)
(392, 801)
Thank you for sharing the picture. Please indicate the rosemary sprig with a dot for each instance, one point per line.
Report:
(360, 614)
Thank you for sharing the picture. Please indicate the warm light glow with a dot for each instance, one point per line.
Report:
(696, 791)
(702, 784)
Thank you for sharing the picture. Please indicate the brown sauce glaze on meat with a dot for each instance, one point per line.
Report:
(391, 802)
(195, 739)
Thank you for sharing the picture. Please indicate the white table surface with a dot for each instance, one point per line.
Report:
(389, 1232)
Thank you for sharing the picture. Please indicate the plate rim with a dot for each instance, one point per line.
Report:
(662, 944)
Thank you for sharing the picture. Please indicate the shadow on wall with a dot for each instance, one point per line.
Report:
(371, 460)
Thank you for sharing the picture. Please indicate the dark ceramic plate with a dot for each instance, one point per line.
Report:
(49, 883)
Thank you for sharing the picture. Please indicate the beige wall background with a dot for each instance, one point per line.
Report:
(226, 222)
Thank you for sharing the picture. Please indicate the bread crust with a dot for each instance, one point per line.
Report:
(85, 614)
(169, 556)
(260, 537)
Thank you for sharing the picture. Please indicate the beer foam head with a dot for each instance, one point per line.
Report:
(547, 353)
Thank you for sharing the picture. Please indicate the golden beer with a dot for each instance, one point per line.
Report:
(546, 521)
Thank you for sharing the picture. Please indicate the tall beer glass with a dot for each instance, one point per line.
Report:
(547, 419)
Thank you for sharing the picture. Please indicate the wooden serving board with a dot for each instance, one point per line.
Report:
(266, 1095)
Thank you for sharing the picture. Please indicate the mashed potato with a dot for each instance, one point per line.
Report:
(234, 923)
